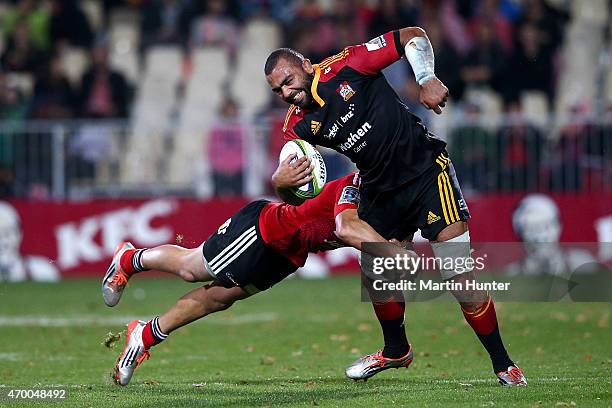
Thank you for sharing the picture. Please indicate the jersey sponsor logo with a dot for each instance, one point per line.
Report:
(315, 126)
(376, 43)
(354, 138)
(431, 218)
(333, 131)
(349, 114)
(350, 195)
(326, 70)
(345, 91)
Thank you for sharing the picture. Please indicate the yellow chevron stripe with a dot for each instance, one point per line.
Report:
(313, 87)
(334, 58)
(452, 196)
(448, 200)
(442, 199)
(481, 311)
(289, 113)
(442, 164)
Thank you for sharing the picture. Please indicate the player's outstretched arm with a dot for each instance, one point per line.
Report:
(289, 175)
(353, 231)
(420, 55)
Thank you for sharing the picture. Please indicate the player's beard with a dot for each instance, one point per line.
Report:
(307, 101)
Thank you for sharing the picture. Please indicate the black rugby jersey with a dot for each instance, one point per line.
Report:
(361, 116)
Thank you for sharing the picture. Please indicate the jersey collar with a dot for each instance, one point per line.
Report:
(315, 82)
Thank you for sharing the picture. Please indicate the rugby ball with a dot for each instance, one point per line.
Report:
(302, 148)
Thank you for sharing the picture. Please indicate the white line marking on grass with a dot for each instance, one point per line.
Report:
(97, 320)
(10, 357)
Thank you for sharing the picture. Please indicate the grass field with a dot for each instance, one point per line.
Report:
(289, 346)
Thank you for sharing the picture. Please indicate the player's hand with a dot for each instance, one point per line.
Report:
(295, 174)
(433, 95)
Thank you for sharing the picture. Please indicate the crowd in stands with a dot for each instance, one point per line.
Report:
(504, 46)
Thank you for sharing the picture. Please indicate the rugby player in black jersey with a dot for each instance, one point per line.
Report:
(407, 179)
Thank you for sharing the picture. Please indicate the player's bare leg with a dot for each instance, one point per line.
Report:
(198, 303)
(479, 310)
(182, 262)
(141, 336)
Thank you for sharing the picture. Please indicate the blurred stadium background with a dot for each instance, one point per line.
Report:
(150, 120)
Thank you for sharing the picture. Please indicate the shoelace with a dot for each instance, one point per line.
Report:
(377, 358)
(145, 355)
(515, 374)
(119, 280)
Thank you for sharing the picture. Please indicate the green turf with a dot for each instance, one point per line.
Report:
(289, 346)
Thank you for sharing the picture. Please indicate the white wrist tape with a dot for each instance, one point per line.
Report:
(420, 55)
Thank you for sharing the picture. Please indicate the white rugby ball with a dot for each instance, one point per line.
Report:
(302, 148)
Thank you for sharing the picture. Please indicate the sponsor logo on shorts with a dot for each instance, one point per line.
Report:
(431, 218)
(462, 204)
(376, 43)
(354, 138)
(326, 70)
(345, 91)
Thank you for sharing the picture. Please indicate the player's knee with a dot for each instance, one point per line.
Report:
(454, 256)
(187, 275)
(217, 305)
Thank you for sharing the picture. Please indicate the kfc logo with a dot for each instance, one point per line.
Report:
(94, 239)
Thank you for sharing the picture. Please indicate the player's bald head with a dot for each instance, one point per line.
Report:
(288, 54)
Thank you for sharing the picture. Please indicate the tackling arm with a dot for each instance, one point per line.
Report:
(354, 232)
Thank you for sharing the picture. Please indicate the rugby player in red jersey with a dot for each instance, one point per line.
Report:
(257, 247)
(408, 181)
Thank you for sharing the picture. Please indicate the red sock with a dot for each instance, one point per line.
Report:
(484, 324)
(391, 318)
(389, 310)
(484, 319)
(131, 261)
(152, 334)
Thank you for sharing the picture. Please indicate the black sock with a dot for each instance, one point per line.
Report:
(495, 346)
(396, 344)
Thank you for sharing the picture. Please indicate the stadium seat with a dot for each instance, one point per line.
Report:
(577, 82)
(94, 13)
(259, 38)
(593, 12)
(490, 103)
(535, 107)
(74, 61)
(203, 95)
(262, 34)
(608, 96)
(124, 40)
(22, 81)
(155, 100)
